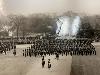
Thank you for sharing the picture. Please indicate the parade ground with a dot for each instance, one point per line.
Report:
(87, 65)
(20, 65)
(66, 65)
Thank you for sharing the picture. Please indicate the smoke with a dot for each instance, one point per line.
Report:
(62, 26)
(68, 26)
(76, 25)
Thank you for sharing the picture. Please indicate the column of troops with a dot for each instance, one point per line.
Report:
(58, 47)
(6, 46)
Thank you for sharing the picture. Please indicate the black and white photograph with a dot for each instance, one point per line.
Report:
(49, 37)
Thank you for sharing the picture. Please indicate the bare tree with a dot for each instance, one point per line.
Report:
(16, 23)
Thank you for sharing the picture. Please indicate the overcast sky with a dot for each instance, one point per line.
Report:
(50, 6)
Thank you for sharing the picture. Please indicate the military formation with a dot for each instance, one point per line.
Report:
(49, 47)
(43, 47)
(7, 46)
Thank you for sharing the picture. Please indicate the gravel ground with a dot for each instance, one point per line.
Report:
(19, 65)
(86, 65)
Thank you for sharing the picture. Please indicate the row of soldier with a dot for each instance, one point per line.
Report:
(42, 48)
(6, 46)
(28, 52)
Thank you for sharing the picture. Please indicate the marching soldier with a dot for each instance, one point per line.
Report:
(14, 52)
(43, 62)
(49, 64)
(23, 53)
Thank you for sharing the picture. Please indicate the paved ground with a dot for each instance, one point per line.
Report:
(19, 65)
(87, 65)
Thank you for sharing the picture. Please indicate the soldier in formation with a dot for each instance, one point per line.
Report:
(43, 47)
